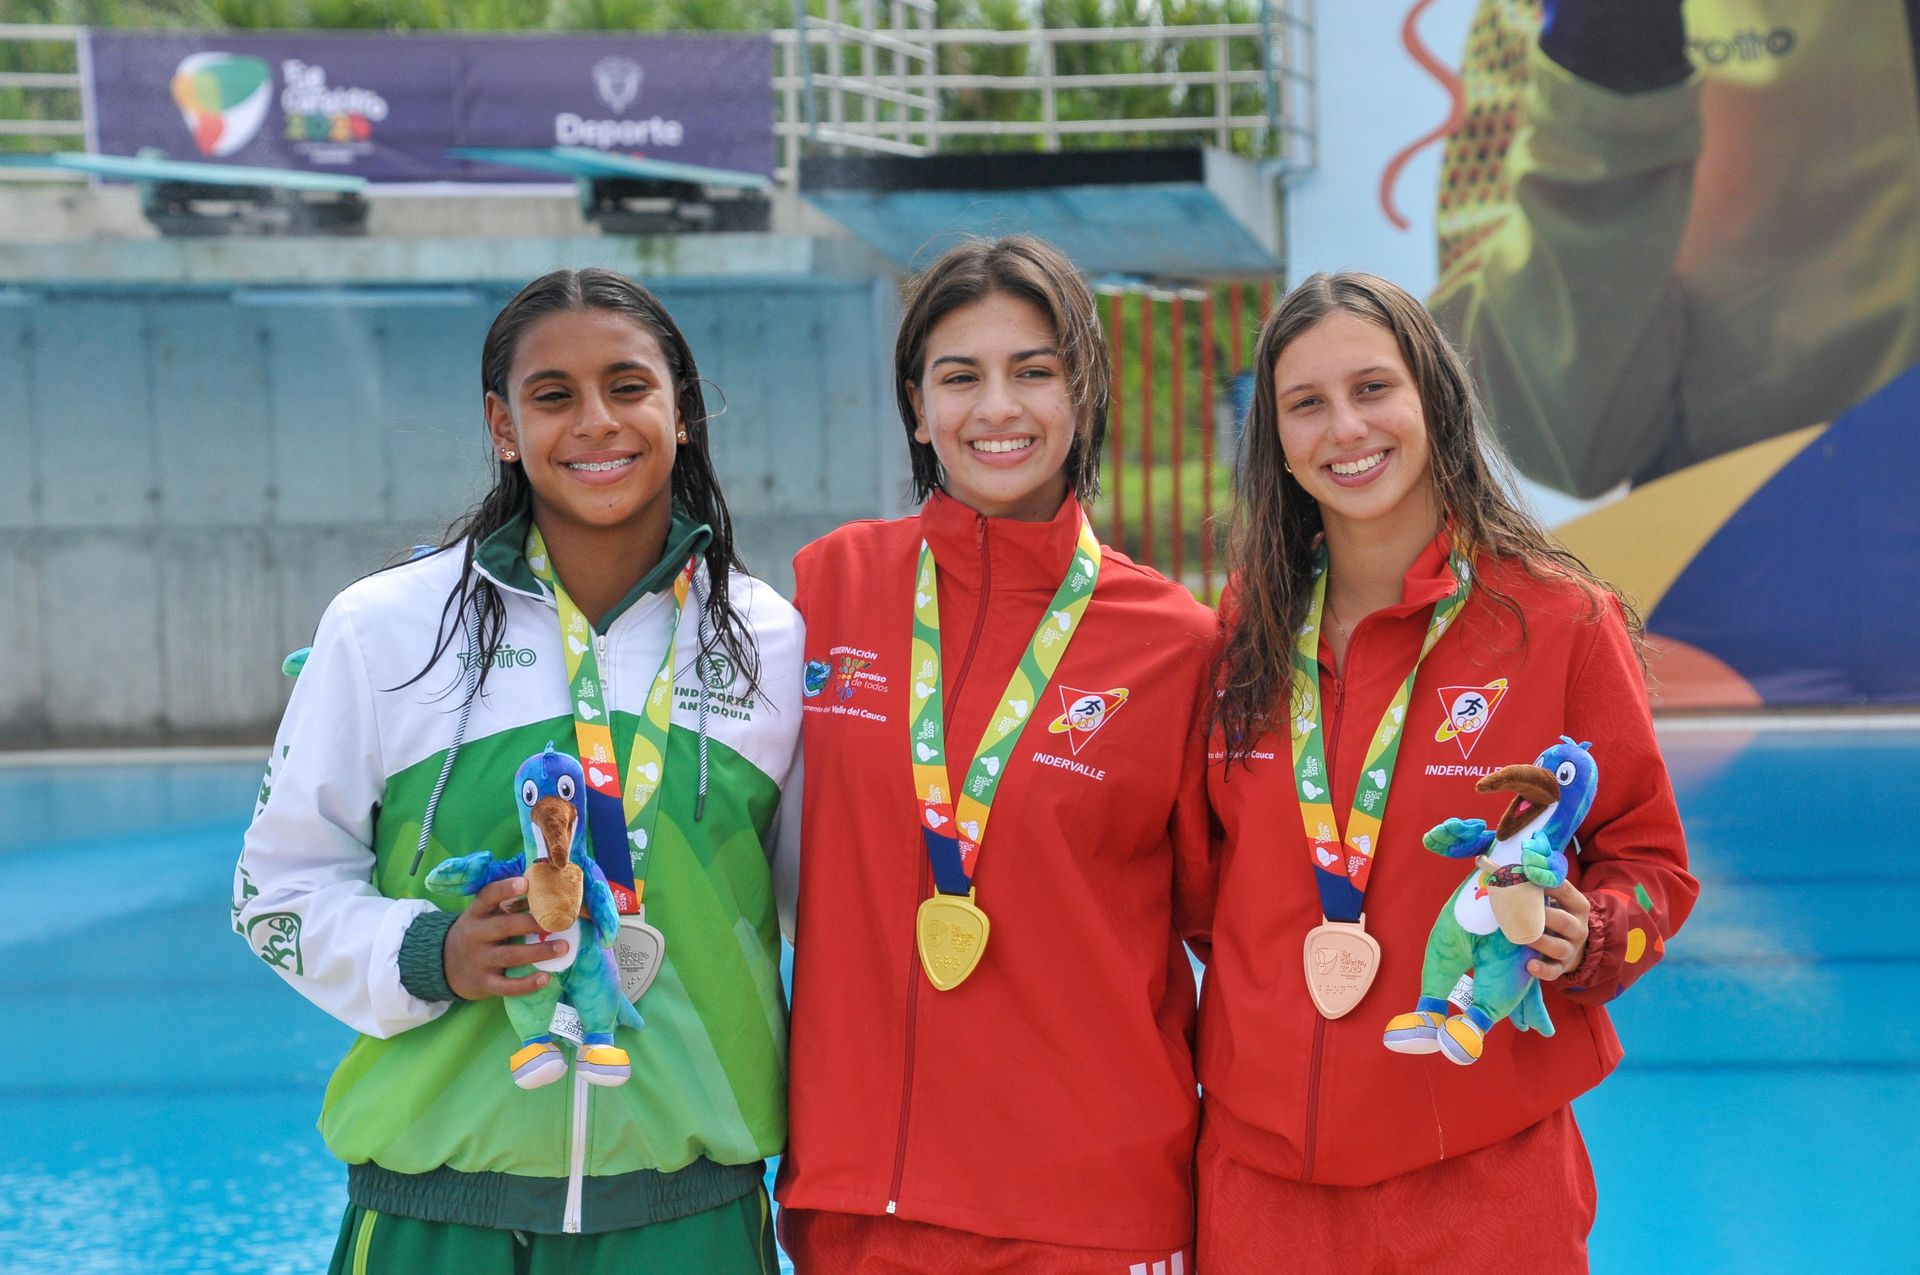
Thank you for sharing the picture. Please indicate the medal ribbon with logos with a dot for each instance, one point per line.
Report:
(1341, 958)
(640, 948)
(950, 930)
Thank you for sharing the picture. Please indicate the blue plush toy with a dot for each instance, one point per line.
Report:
(1500, 908)
(565, 888)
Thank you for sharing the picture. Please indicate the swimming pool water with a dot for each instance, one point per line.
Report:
(157, 1111)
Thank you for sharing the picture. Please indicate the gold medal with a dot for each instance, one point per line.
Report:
(1341, 959)
(949, 930)
(951, 933)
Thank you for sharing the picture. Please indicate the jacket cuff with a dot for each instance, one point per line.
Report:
(1606, 947)
(423, 961)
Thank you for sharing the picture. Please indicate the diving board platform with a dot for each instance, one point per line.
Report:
(181, 197)
(1187, 213)
(640, 195)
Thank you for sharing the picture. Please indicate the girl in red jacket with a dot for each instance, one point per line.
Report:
(1399, 628)
(991, 1066)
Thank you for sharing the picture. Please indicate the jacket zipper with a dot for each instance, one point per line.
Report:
(1330, 735)
(578, 1106)
(950, 698)
(576, 1153)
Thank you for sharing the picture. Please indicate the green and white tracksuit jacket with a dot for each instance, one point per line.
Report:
(331, 892)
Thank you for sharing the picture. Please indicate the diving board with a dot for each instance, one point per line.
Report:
(584, 161)
(141, 168)
(640, 195)
(1186, 212)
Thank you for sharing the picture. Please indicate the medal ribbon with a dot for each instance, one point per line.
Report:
(953, 831)
(1341, 871)
(607, 798)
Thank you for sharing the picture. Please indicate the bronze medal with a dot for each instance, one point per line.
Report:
(951, 934)
(1341, 959)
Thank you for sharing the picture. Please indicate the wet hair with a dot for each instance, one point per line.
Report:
(1033, 271)
(695, 487)
(1276, 525)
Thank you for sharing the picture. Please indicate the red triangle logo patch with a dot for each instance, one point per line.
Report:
(1084, 712)
(1468, 709)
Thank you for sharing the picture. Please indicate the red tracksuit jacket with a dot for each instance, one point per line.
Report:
(1051, 1096)
(1297, 1096)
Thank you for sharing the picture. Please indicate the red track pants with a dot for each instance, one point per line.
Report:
(822, 1243)
(1523, 1205)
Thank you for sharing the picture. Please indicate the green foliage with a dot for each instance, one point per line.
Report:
(605, 15)
(1166, 51)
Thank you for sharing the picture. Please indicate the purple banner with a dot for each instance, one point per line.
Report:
(388, 107)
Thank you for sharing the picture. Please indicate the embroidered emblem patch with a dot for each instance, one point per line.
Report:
(1468, 710)
(1084, 713)
(814, 679)
(275, 938)
(715, 669)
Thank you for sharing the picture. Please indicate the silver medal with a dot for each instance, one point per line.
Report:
(639, 951)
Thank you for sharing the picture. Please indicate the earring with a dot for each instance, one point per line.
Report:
(682, 437)
(509, 457)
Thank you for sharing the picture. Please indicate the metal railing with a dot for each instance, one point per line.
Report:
(40, 104)
(1246, 87)
(869, 83)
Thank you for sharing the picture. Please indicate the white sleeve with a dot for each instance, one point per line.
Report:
(786, 844)
(303, 894)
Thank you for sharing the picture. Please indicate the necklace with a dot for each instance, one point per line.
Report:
(1338, 628)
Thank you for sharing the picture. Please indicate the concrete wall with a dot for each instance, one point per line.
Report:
(199, 444)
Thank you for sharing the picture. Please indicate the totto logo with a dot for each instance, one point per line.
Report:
(504, 657)
(1746, 46)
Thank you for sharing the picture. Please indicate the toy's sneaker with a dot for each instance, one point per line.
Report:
(1461, 1041)
(604, 1065)
(537, 1064)
(1415, 1033)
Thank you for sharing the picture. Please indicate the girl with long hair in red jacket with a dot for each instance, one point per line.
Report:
(1398, 628)
(991, 1061)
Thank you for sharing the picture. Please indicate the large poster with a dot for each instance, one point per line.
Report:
(389, 107)
(1680, 247)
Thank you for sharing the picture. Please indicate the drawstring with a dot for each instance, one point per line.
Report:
(459, 731)
(700, 675)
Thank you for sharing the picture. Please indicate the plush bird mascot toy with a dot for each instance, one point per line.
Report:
(568, 896)
(1500, 908)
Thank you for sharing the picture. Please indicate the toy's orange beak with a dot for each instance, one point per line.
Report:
(1533, 788)
(554, 820)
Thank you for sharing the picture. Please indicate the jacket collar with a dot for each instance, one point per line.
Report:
(1428, 580)
(1020, 555)
(502, 557)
